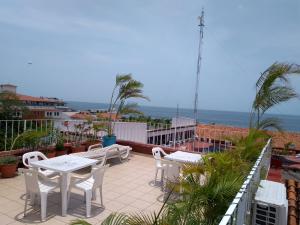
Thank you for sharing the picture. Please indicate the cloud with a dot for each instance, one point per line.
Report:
(46, 21)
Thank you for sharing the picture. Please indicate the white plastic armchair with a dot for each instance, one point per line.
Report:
(89, 184)
(172, 174)
(36, 186)
(157, 153)
(36, 156)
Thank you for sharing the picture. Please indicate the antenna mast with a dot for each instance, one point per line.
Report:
(201, 25)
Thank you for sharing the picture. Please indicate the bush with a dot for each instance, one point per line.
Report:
(59, 146)
(7, 160)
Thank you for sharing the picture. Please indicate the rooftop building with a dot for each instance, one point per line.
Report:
(39, 107)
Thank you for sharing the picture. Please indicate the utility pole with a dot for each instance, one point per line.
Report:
(201, 26)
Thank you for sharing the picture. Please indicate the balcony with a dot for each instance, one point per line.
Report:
(127, 187)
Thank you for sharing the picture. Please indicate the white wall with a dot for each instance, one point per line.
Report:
(131, 131)
(182, 121)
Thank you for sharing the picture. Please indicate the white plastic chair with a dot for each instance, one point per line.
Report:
(36, 186)
(157, 152)
(172, 173)
(88, 184)
(36, 156)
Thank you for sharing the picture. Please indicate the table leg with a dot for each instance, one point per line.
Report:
(64, 192)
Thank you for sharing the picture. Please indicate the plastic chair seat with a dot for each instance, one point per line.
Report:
(48, 173)
(47, 186)
(85, 185)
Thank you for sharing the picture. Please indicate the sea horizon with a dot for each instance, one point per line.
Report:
(206, 116)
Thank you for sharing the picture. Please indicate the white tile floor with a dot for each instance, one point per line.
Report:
(127, 187)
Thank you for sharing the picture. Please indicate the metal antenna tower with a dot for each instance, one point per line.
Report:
(201, 25)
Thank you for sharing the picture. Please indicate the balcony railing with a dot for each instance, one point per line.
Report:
(239, 211)
(11, 129)
(178, 137)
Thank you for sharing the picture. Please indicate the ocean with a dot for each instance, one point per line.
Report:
(237, 119)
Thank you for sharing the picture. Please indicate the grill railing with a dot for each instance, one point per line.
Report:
(239, 212)
(179, 137)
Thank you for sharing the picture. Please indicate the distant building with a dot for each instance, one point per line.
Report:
(8, 88)
(39, 107)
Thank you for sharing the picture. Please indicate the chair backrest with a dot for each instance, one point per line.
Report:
(32, 157)
(156, 152)
(98, 174)
(31, 180)
(172, 171)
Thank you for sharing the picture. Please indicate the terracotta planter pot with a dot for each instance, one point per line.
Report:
(9, 170)
(51, 154)
(79, 148)
(61, 152)
(68, 147)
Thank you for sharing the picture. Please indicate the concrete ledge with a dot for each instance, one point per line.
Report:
(144, 148)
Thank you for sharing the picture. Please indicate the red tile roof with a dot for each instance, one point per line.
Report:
(220, 132)
(82, 116)
(37, 99)
(293, 196)
(105, 115)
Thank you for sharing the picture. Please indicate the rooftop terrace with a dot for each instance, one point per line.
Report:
(127, 187)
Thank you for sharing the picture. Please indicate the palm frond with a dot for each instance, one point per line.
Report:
(79, 222)
(270, 123)
(277, 71)
(116, 219)
(123, 78)
(130, 108)
(274, 96)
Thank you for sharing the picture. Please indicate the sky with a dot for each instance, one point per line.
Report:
(77, 47)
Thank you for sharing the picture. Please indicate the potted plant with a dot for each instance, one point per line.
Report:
(125, 88)
(76, 145)
(59, 146)
(50, 151)
(60, 149)
(9, 166)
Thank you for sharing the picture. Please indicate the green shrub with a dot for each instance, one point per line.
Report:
(7, 160)
(59, 146)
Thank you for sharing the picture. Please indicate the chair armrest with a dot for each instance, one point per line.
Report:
(94, 146)
(48, 179)
(163, 152)
(76, 177)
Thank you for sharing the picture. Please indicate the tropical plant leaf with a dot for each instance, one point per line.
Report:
(272, 122)
(79, 222)
(273, 88)
(130, 108)
(116, 219)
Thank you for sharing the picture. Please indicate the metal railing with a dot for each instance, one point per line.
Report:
(176, 137)
(183, 137)
(239, 211)
(11, 129)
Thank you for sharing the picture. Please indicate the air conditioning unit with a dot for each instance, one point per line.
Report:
(270, 204)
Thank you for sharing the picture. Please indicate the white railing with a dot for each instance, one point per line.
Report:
(210, 139)
(11, 129)
(239, 211)
(163, 134)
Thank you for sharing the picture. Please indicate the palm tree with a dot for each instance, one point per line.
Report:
(125, 88)
(272, 88)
